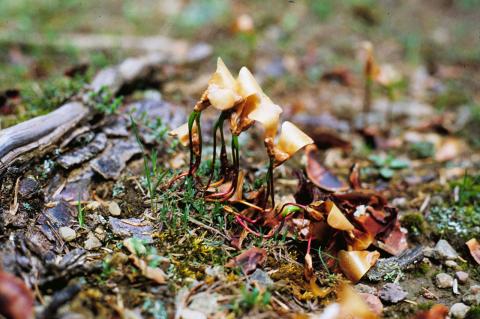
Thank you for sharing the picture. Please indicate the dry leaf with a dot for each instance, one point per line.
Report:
(436, 312)
(474, 247)
(355, 264)
(16, 300)
(319, 175)
(249, 260)
(336, 219)
(154, 273)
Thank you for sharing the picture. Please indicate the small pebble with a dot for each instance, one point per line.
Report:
(392, 293)
(444, 280)
(100, 233)
(445, 251)
(459, 311)
(92, 242)
(461, 276)
(114, 209)
(400, 202)
(67, 233)
(451, 264)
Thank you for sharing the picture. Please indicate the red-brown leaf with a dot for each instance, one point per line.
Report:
(16, 300)
(474, 247)
(319, 175)
(249, 260)
(436, 312)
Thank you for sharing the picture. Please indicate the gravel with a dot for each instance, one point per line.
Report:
(462, 276)
(392, 293)
(443, 280)
(114, 209)
(67, 233)
(459, 310)
(444, 250)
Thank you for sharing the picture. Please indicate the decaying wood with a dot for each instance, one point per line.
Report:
(41, 132)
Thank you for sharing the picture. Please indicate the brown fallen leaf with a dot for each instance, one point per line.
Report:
(16, 300)
(474, 247)
(438, 311)
(396, 242)
(355, 264)
(249, 260)
(319, 175)
(154, 273)
(354, 177)
(336, 219)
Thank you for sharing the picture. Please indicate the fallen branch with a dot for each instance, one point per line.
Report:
(39, 133)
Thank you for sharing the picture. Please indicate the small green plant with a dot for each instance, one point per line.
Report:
(104, 101)
(107, 268)
(422, 149)
(394, 274)
(251, 298)
(387, 165)
(80, 212)
(152, 173)
(469, 189)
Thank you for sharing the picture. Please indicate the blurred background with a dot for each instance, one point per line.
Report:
(291, 45)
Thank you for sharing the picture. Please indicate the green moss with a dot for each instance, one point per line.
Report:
(455, 222)
(422, 269)
(414, 222)
(473, 313)
(425, 305)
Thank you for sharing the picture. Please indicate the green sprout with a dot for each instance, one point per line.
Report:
(387, 165)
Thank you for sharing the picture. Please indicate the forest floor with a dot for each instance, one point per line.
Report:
(81, 222)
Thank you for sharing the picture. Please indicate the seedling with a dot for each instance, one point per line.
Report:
(153, 175)
(104, 101)
(80, 212)
(386, 165)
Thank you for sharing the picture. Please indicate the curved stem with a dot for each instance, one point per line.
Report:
(191, 121)
(218, 124)
(223, 155)
(236, 164)
(270, 187)
(270, 234)
(198, 156)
